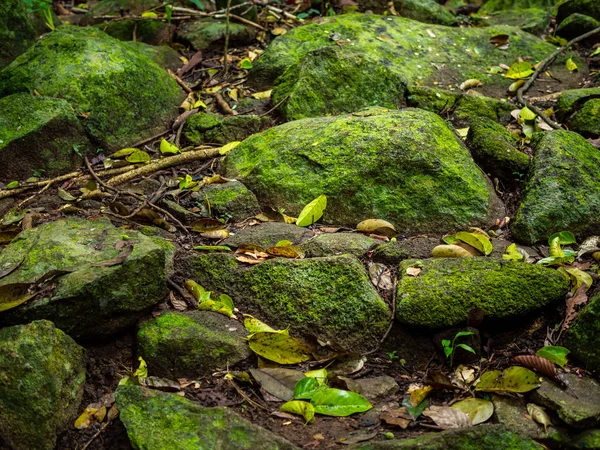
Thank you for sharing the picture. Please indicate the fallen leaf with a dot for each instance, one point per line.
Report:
(290, 251)
(119, 259)
(160, 384)
(539, 364)
(514, 87)
(253, 325)
(521, 69)
(476, 240)
(312, 212)
(555, 354)
(262, 95)
(580, 298)
(419, 394)
(279, 382)
(278, 347)
(166, 148)
(413, 271)
(446, 417)
(438, 380)
(15, 294)
(381, 276)
(499, 40)
(450, 251)
(527, 114)
(64, 195)
(228, 147)
(93, 413)
(11, 269)
(471, 83)
(376, 226)
(399, 417)
(215, 234)
(139, 156)
(538, 414)
(124, 152)
(513, 379)
(339, 403)
(204, 225)
(477, 409)
(178, 305)
(301, 408)
(571, 66)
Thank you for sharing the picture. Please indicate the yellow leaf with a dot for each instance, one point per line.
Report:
(233, 94)
(571, 65)
(278, 31)
(527, 114)
(521, 69)
(280, 348)
(139, 156)
(188, 102)
(450, 251)
(199, 104)
(124, 152)
(184, 60)
(376, 226)
(516, 85)
(228, 147)
(216, 234)
(149, 15)
(166, 148)
(262, 95)
(214, 89)
(468, 84)
(312, 212)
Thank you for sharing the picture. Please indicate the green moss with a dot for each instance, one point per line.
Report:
(493, 148)
(16, 31)
(42, 373)
(89, 301)
(207, 127)
(191, 345)
(587, 120)
(573, 98)
(507, 5)
(587, 7)
(332, 298)
(575, 25)
(38, 133)
(153, 32)
(232, 200)
(205, 33)
(126, 95)
(532, 20)
(447, 289)
(268, 234)
(160, 421)
(562, 188)
(376, 163)
(583, 337)
(163, 55)
(330, 244)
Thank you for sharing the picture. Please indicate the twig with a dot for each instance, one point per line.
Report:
(276, 106)
(192, 304)
(156, 136)
(231, 8)
(223, 104)
(225, 51)
(541, 67)
(195, 155)
(181, 83)
(178, 135)
(241, 19)
(391, 325)
(244, 396)
(28, 199)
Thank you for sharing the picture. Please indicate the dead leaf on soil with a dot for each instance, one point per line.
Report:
(399, 417)
(15, 294)
(279, 382)
(381, 276)
(574, 303)
(376, 226)
(93, 413)
(446, 417)
(178, 305)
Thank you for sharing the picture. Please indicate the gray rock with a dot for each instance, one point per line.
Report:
(512, 413)
(231, 200)
(331, 244)
(268, 234)
(373, 388)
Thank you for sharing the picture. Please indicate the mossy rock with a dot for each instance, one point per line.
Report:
(532, 20)
(494, 149)
(331, 244)
(39, 133)
(583, 336)
(587, 119)
(161, 421)
(17, 33)
(405, 47)
(508, 5)
(393, 253)
(481, 437)
(587, 7)
(512, 413)
(208, 127)
(191, 345)
(268, 234)
(230, 200)
(124, 94)
(448, 288)
(427, 11)
(571, 99)
(207, 33)
(376, 163)
(42, 373)
(331, 298)
(163, 55)
(562, 191)
(575, 25)
(89, 301)
(330, 80)
(461, 108)
(153, 32)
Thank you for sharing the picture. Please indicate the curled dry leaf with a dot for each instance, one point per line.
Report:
(450, 251)
(413, 271)
(446, 417)
(381, 276)
(539, 364)
(574, 303)
(468, 84)
(399, 417)
(538, 414)
(178, 305)
(376, 226)
(119, 259)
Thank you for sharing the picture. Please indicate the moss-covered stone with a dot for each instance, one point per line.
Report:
(448, 288)
(493, 148)
(589, 439)
(331, 244)
(163, 55)
(124, 94)
(89, 301)
(587, 119)
(331, 298)
(191, 345)
(588, 7)
(575, 25)
(507, 5)
(208, 127)
(581, 410)
(153, 32)
(42, 373)
(428, 11)
(230, 200)
(206, 33)
(160, 421)
(268, 234)
(39, 133)
(562, 191)
(481, 437)
(407, 167)
(532, 20)
(393, 253)
(462, 109)
(405, 47)
(583, 337)
(512, 413)
(16, 30)
(571, 99)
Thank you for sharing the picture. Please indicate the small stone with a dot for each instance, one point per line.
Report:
(231, 200)
(331, 244)
(512, 413)
(268, 234)
(373, 388)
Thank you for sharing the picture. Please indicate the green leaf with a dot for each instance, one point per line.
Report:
(284, 243)
(566, 238)
(312, 212)
(278, 347)
(521, 69)
(448, 351)
(446, 343)
(478, 241)
(414, 411)
(555, 249)
(149, 15)
(556, 260)
(13, 295)
(227, 301)
(463, 333)
(450, 240)
(477, 409)
(595, 52)
(124, 152)
(253, 325)
(12, 185)
(300, 408)
(139, 156)
(514, 379)
(142, 370)
(555, 354)
(197, 291)
(245, 64)
(570, 64)
(579, 277)
(527, 114)
(466, 347)
(339, 403)
(216, 306)
(320, 375)
(512, 254)
(166, 148)
(305, 388)
(212, 248)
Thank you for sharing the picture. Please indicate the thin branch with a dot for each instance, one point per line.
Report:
(226, 50)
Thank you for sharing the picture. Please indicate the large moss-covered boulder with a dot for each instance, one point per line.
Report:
(121, 95)
(562, 191)
(208, 127)
(481, 437)
(191, 345)
(587, 7)
(461, 108)
(507, 5)
(577, 24)
(580, 108)
(89, 300)
(494, 149)
(532, 20)
(448, 288)
(401, 47)
(583, 337)
(42, 373)
(331, 298)
(160, 421)
(39, 133)
(163, 55)
(231, 200)
(407, 167)
(153, 32)
(16, 30)
(206, 33)
(428, 11)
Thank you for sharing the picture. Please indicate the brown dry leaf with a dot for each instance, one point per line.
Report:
(118, 208)
(215, 234)
(9, 270)
(579, 298)
(205, 225)
(446, 417)
(539, 364)
(178, 305)
(193, 62)
(160, 384)
(270, 215)
(381, 276)
(499, 40)
(289, 251)
(399, 417)
(249, 258)
(438, 380)
(119, 259)
(329, 229)
(413, 271)
(8, 233)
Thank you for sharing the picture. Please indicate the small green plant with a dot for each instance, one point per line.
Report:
(451, 346)
(44, 7)
(393, 355)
